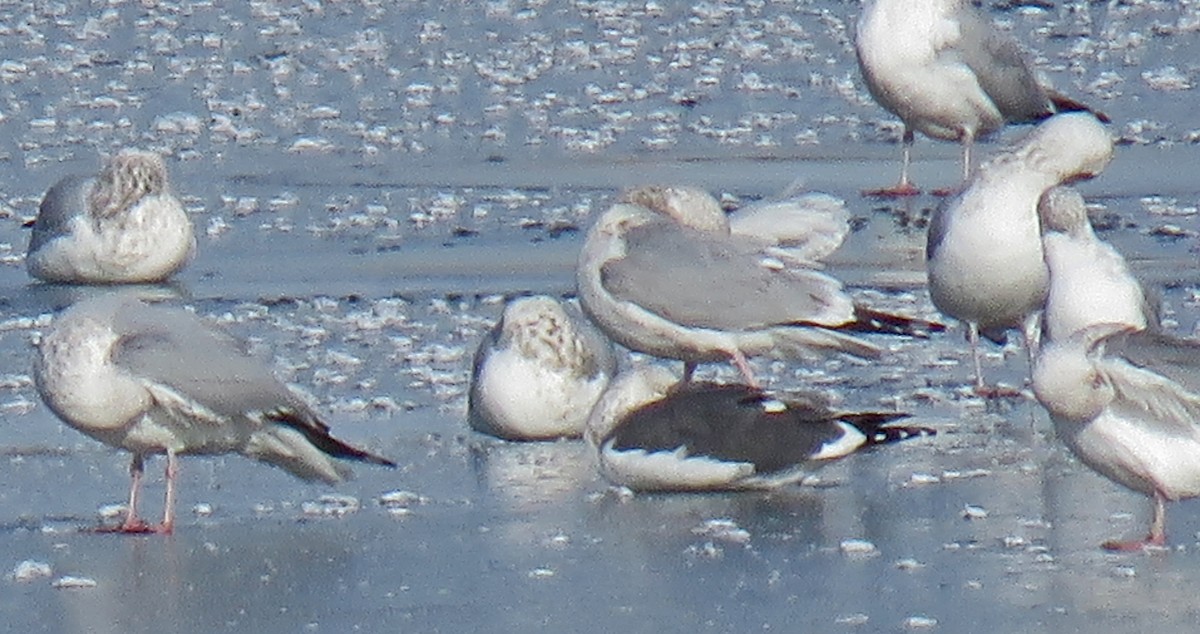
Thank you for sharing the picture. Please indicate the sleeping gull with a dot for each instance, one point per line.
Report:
(121, 226)
(538, 372)
(799, 228)
(653, 433)
(984, 252)
(947, 72)
(153, 380)
(1132, 424)
(661, 273)
(1090, 282)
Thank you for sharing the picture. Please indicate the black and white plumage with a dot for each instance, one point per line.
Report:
(652, 432)
(122, 226)
(661, 273)
(984, 255)
(157, 380)
(949, 73)
(538, 372)
(1127, 404)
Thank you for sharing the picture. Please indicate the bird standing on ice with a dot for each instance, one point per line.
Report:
(157, 380)
(538, 372)
(653, 433)
(1132, 424)
(122, 226)
(984, 254)
(947, 72)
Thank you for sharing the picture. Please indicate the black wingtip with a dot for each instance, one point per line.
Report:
(317, 433)
(869, 320)
(1063, 103)
(896, 433)
(879, 431)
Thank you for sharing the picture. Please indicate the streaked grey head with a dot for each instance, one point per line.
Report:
(125, 179)
(1062, 209)
(689, 206)
(540, 328)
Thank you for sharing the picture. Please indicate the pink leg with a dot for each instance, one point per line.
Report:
(973, 339)
(981, 389)
(904, 187)
(132, 523)
(743, 366)
(1158, 531)
(968, 141)
(168, 523)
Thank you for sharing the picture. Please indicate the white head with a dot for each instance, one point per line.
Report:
(125, 179)
(1067, 378)
(629, 391)
(1069, 147)
(689, 206)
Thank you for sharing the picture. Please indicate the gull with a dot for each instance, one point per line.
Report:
(661, 273)
(121, 226)
(803, 228)
(1090, 282)
(653, 433)
(156, 380)
(984, 254)
(538, 372)
(1133, 425)
(947, 72)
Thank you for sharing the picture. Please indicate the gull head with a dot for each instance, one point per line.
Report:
(629, 391)
(1061, 209)
(541, 329)
(1067, 378)
(1070, 147)
(125, 179)
(689, 206)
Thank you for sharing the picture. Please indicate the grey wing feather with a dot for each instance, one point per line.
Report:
(65, 200)
(479, 417)
(1001, 68)
(1177, 358)
(697, 281)
(176, 349)
(938, 224)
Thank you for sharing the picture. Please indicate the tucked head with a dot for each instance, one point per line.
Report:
(540, 328)
(1067, 378)
(689, 206)
(1072, 146)
(125, 179)
(1062, 209)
